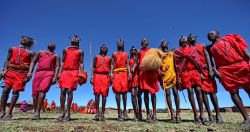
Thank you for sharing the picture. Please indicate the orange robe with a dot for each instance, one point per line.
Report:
(120, 81)
(169, 79)
(231, 62)
(148, 80)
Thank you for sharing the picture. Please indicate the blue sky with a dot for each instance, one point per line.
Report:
(106, 21)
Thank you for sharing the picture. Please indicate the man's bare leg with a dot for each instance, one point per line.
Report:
(124, 99)
(4, 98)
(177, 104)
(239, 104)
(69, 103)
(97, 100)
(153, 100)
(192, 102)
(169, 103)
(62, 103)
(41, 97)
(15, 96)
(216, 107)
(104, 100)
(134, 102)
(117, 97)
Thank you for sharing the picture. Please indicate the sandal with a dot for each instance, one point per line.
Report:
(140, 116)
(35, 117)
(204, 121)
(197, 120)
(149, 119)
(102, 118)
(66, 118)
(60, 118)
(7, 117)
(125, 115)
(178, 119)
(97, 117)
(2, 116)
(172, 120)
(219, 120)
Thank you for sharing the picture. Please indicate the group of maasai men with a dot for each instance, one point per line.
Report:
(191, 66)
(47, 107)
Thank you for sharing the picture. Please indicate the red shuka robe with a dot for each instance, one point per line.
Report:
(101, 78)
(17, 69)
(120, 81)
(134, 75)
(231, 62)
(70, 71)
(148, 80)
(45, 72)
(208, 84)
(187, 63)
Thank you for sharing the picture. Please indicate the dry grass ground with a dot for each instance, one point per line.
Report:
(83, 122)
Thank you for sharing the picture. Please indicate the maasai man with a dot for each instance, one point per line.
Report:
(232, 62)
(15, 72)
(45, 105)
(53, 105)
(148, 81)
(208, 85)
(24, 106)
(71, 68)
(169, 81)
(189, 75)
(74, 107)
(45, 76)
(100, 79)
(134, 84)
(120, 77)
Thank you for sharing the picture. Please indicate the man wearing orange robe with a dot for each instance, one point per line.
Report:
(15, 73)
(232, 62)
(71, 68)
(100, 79)
(168, 81)
(119, 78)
